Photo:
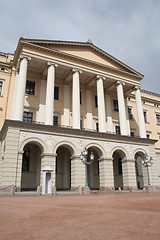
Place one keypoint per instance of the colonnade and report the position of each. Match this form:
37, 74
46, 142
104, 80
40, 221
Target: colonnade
18, 101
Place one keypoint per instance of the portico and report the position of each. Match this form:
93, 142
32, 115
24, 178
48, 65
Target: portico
72, 78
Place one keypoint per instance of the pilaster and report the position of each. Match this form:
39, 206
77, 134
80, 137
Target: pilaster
129, 174
77, 172
106, 174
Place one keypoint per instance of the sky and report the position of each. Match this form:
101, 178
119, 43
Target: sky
129, 30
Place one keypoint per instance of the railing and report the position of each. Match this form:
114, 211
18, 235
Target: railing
83, 129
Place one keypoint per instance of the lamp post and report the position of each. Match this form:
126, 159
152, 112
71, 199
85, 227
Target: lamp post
83, 157
146, 162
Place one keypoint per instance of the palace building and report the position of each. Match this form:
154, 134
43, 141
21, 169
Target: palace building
58, 98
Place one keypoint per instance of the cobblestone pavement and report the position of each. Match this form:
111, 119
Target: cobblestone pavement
97, 217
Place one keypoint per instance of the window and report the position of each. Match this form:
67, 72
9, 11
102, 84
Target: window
132, 132
56, 93
81, 123
145, 113
27, 116
158, 136
130, 112
117, 130
30, 87
158, 118
95, 101
1, 88
80, 97
96, 125
55, 120
148, 135
115, 105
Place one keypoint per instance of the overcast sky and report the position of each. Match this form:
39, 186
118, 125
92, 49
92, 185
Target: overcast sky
127, 29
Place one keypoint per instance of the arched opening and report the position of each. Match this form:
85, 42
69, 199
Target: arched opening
118, 156
139, 170
93, 169
31, 167
63, 168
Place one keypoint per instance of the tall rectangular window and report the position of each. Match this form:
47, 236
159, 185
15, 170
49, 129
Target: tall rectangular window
117, 128
27, 116
30, 87
56, 93
95, 101
55, 120
158, 118
130, 113
115, 105
1, 87
145, 113
80, 97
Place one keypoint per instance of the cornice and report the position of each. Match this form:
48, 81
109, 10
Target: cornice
22, 43
72, 132
88, 45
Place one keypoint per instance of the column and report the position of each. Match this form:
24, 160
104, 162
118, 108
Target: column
19, 105
101, 105
66, 105
129, 174
106, 174
122, 111
77, 172
76, 99
42, 103
89, 109
50, 94
127, 117
141, 123
109, 113
14, 95
49, 159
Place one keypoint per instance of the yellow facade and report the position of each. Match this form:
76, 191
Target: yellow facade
91, 63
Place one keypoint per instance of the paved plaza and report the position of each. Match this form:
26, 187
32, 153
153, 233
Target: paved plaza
97, 217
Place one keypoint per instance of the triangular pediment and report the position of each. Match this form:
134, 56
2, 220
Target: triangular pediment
86, 51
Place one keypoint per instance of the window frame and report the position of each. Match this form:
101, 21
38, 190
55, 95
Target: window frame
29, 94
58, 87
28, 112
146, 120
57, 115
130, 114
1, 81
95, 101
158, 118
115, 107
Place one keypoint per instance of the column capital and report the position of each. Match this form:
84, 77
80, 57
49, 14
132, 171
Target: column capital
100, 77
74, 70
137, 87
25, 57
120, 83
52, 64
